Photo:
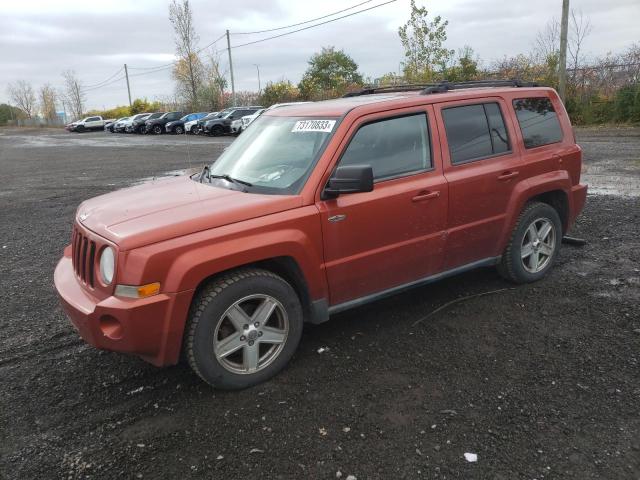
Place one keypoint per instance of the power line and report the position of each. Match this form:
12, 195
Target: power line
312, 26
84, 90
105, 80
302, 23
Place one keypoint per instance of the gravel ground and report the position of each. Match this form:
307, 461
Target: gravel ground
540, 381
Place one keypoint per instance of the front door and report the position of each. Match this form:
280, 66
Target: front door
394, 235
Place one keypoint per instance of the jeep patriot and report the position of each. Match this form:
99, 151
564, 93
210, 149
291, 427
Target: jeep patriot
317, 208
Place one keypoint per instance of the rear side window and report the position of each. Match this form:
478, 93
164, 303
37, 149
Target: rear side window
475, 132
393, 147
538, 121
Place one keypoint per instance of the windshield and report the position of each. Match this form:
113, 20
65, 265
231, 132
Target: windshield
276, 155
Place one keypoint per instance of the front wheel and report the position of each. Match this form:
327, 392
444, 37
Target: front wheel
157, 129
179, 130
534, 244
243, 328
217, 130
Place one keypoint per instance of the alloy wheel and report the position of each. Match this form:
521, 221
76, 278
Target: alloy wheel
538, 245
251, 334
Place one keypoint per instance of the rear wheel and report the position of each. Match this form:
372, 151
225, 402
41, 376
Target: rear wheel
534, 244
243, 328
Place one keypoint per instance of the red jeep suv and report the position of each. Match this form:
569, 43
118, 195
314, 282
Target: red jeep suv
317, 208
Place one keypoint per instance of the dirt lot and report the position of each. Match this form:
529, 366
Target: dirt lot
540, 381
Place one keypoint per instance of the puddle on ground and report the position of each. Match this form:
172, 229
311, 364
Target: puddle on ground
602, 181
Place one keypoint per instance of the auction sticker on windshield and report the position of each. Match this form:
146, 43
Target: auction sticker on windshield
314, 126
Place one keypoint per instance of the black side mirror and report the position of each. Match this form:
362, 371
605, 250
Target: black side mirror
349, 179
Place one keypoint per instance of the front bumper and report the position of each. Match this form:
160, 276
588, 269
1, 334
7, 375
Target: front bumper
150, 327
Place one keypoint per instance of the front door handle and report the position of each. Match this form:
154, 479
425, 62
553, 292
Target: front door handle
508, 175
425, 196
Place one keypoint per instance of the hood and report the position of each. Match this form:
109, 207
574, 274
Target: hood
173, 207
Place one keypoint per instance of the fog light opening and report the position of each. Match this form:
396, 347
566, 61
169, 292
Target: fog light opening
111, 327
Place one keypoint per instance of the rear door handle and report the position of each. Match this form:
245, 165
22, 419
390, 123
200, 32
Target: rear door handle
508, 175
425, 196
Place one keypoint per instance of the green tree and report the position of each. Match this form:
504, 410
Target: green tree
279, 92
8, 113
426, 57
331, 73
466, 67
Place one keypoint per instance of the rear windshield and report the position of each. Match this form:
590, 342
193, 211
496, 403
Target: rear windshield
277, 155
538, 121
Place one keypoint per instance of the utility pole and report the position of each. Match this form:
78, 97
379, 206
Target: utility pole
259, 85
126, 74
233, 85
562, 67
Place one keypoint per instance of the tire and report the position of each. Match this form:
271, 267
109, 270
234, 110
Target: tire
80, 128
534, 244
179, 130
217, 130
157, 129
218, 315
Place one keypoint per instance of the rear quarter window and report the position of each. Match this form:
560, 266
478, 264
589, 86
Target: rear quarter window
538, 121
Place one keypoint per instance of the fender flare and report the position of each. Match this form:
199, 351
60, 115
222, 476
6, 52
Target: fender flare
528, 189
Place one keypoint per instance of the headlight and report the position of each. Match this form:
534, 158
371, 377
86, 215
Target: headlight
107, 265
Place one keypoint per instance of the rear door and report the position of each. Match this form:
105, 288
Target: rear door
482, 164
394, 235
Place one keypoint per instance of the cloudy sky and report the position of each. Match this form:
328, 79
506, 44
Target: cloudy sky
41, 38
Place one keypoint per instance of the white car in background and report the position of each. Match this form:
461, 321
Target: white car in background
188, 126
118, 127
242, 124
128, 124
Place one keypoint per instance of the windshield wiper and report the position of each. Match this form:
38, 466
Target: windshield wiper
229, 178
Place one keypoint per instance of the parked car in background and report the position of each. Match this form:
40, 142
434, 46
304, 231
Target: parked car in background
86, 124
178, 126
138, 126
108, 123
198, 128
156, 125
192, 126
128, 124
248, 119
320, 208
118, 127
222, 123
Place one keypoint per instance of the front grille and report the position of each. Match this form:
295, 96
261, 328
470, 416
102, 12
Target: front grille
83, 254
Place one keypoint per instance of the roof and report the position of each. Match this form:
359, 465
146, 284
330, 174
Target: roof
340, 106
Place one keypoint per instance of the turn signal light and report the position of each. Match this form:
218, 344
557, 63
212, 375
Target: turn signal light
142, 291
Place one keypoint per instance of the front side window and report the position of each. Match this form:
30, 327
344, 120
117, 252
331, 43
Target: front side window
475, 132
538, 121
393, 147
277, 156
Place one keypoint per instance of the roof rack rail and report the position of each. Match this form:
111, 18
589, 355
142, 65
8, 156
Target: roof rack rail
444, 86
406, 87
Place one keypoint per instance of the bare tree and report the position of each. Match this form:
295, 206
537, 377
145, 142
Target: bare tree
189, 70
74, 95
580, 28
48, 97
211, 92
547, 42
22, 94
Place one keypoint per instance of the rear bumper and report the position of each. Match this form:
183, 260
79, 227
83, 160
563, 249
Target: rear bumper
578, 200
151, 328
